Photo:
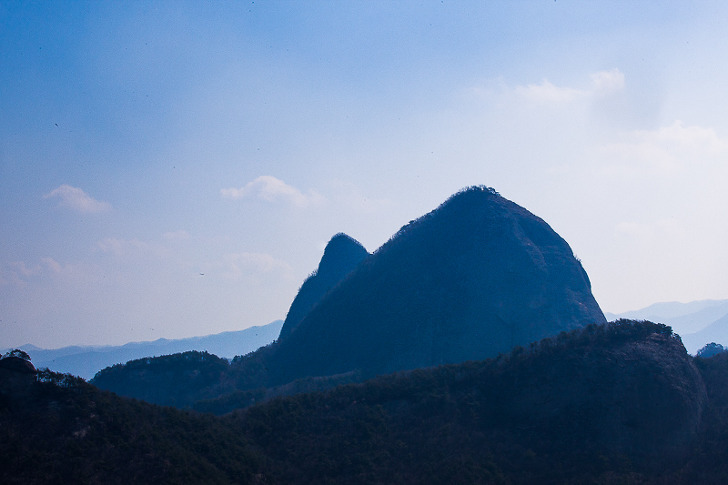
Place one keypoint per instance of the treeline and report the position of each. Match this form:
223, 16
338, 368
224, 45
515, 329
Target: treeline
616, 403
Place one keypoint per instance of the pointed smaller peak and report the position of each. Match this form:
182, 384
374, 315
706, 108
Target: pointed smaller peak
341, 250
342, 255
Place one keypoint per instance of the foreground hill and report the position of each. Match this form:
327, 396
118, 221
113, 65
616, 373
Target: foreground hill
616, 403
56, 428
471, 279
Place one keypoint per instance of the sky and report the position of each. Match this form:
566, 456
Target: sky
174, 169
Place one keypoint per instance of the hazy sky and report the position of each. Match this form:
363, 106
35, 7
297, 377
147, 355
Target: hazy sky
171, 169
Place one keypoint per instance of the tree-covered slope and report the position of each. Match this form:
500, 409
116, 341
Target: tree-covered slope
615, 403
56, 428
620, 401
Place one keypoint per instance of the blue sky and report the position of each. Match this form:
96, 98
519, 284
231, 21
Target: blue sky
170, 169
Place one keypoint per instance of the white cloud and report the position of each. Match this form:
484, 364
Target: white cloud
547, 92
78, 200
19, 273
271, 189
603, 83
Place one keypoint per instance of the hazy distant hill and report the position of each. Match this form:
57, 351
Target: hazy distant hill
716, 332
614, 403
697, 322
473, 278
86, 361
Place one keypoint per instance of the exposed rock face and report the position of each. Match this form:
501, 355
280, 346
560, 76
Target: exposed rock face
341, 256
475, 277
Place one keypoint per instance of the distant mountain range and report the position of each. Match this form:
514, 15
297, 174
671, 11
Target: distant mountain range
86, 361
697, 322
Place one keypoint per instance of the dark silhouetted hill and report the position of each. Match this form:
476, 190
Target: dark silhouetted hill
341, 256
614, 403
56, 428
471, 279
168, 380
475, 277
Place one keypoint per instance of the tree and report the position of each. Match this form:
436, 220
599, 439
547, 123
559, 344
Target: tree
21, 354
710, 350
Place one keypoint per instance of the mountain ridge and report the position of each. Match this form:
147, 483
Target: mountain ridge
86, 361
698, 322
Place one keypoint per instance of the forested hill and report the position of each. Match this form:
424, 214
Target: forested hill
471, 279
616, 403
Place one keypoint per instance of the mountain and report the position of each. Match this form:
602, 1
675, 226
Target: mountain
697, 322
476, 277
86, 361
615, 403
671, 309
473, 278
716, 332
341, 255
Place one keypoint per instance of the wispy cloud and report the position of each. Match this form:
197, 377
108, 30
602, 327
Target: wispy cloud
546, 92
602, 83
272, 189
76, 199
19, 273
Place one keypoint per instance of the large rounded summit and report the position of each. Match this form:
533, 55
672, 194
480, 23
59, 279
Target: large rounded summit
473, 278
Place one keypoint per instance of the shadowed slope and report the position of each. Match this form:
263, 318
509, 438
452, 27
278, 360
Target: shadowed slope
473, 278
341, 256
